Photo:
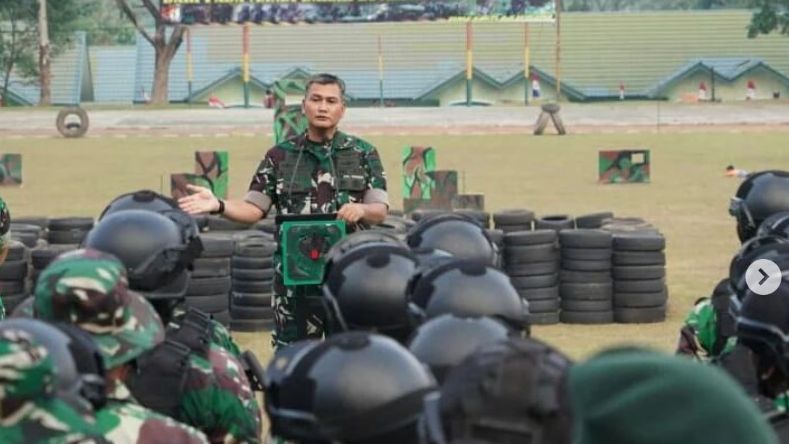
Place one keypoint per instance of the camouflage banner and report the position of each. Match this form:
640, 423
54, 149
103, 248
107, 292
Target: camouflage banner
179, 181
409, 205
289, 121
11, 170
624, 166
354, 11
213, 167
417, 161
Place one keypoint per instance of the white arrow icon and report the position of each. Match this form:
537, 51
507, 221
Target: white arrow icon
763, 277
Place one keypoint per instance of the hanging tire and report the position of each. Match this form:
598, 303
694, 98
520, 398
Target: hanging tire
594, 220
640, 315
72, 130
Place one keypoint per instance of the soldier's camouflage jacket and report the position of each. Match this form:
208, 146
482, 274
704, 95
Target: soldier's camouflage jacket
123, 421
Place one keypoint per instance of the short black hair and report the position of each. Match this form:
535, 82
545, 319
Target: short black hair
325, 79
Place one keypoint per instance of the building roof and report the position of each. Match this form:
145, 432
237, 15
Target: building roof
727, 69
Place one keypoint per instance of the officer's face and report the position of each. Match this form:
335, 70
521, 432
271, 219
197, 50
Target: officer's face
323, 106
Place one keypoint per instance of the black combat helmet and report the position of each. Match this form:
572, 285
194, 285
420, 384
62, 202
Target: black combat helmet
79, 376
761, 195
140, 200
355, 239
367, 289
443, 342
510, 391
155, 250
470, 288
353, 388
456, 234
777, 225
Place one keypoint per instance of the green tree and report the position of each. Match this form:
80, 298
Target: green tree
17, 42
770, 16
164, 47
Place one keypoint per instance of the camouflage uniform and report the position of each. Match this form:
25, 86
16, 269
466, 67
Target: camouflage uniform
90, 289
299, 176
29, 412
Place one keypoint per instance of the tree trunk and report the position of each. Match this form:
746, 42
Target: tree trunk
161, 76
44, 55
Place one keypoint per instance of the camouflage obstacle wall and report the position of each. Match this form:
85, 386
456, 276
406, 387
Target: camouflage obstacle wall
10, 170
211, 171
624, 166
289, 121
426, 187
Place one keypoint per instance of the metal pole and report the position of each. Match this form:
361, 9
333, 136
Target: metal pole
189, 73
526, 63
380, 73
469, 62
245, 63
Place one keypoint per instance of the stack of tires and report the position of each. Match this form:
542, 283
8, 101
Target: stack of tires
30, 235
639, 272
68, 230
42, 256
497, 237
513, 220
209, 284
555, 222
253, 274
13, 276
593, 220
531, 259
586, 285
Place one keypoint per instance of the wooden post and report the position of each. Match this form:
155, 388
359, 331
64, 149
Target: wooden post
245, 63
380, 73
526, 63
558, 67
469, 62
189, 69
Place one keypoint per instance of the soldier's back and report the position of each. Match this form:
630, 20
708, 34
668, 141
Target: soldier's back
127, 422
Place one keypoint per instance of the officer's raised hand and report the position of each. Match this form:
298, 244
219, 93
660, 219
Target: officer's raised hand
202, 200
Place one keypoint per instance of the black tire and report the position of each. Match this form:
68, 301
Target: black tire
261, 274
558, 123
217, 223
576, 305
512, 228
625, 221
642, 286
639, 242
11, 301
209, 304
526, 238
17, 227
544, 305
556, 222
638, 258
251, 325
586, 317
638, 272
496, 236
217, 245
12, 287
594, 220
538, 281
542, 123
513, 217
40, 258
587, 254
585, 277
532, 269
481, 217
251, 299
585, 239
640, 315
531, 253
17, 251
266, 226
208, 286
29, 240
243, 235
549, 318
586, 292
39, 221
71, 223
246, 312
223, 317
13, 270
640, 300
74, 236
211, 267
426, 213
72, 131
251, 263
253, 286
574, 265
255, 248
539, 294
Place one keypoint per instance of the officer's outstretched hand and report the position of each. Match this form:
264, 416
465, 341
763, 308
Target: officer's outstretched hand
202, 200
351, 212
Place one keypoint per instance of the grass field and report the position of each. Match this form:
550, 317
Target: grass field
687, 199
